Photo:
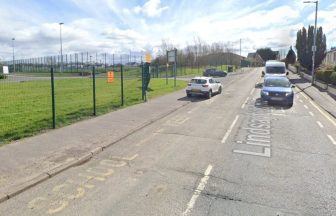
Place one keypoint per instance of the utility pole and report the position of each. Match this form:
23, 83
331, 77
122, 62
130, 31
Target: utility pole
314, 46
240, 46
60, 24
13, 39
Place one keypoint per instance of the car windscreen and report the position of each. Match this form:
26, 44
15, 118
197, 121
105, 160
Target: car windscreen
198, 81
277, 83
275, 70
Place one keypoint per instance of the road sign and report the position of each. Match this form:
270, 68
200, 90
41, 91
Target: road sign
171, 58
171, 55
5, 70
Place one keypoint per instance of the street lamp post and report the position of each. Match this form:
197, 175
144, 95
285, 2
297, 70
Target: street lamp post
60, 24
314, 46
13, 39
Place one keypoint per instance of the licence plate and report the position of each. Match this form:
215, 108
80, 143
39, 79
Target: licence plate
277, 98
196, 90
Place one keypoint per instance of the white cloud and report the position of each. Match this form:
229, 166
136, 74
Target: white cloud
152, 8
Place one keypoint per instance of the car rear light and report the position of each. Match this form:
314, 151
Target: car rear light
205, 85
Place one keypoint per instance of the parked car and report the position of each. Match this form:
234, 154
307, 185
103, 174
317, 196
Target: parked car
212, 72
277, 89
205, 86
275, 68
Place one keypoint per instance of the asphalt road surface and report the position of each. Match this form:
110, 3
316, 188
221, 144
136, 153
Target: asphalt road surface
230, 155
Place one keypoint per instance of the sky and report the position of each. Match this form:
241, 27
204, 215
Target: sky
123, 26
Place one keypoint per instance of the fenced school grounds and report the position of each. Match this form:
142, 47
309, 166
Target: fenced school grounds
79, 89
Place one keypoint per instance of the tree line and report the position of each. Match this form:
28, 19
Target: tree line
200, 53
304, 44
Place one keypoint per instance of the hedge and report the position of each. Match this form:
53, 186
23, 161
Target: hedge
333, 77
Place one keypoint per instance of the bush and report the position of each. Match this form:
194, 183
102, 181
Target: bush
324, 75
3, 76
333, 78
335, 68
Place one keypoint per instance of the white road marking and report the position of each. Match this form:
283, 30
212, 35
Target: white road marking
198, 191
311, 113
301, 101
332, 139
230, 129
266, 153
245, 102
278, 114
320, 124
253, 143
323, 113
252, 91
305, 106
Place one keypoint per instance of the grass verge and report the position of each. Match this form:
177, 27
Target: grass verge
25, 107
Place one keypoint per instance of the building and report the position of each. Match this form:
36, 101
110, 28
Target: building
330, 58
255, 60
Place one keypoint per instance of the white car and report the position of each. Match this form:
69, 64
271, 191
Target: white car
205, 86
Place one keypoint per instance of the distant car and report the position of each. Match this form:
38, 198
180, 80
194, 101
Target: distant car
212, 72
277, 89
275, 68
205, 86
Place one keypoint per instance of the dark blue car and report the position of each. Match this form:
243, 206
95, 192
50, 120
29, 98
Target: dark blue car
277, 90
213, 72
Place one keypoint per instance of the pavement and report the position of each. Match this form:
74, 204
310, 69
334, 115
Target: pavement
230, 155
325, 100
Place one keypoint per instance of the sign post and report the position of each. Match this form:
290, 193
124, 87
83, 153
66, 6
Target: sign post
5, 70
171, 58
146, 75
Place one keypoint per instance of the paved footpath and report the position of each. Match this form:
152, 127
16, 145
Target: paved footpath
327, 102
230, 155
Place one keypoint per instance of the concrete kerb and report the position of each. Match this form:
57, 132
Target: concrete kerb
26, 185
17, 189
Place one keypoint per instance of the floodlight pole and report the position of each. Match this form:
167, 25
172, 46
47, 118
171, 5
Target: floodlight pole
13, 39
60, 24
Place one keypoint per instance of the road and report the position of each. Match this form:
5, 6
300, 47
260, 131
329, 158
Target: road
230, 155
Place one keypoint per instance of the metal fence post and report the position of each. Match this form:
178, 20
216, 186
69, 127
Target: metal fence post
142, 82
167, 73
94, 89
122, 83
175, 67
53, 98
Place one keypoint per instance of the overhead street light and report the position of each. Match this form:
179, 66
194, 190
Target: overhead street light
13, 39
60, 24
314, 46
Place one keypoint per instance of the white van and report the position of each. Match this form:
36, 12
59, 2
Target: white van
275, 68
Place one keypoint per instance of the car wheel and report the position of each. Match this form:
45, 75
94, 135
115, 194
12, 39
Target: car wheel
209, 94
188, 95
220, 90
290, 104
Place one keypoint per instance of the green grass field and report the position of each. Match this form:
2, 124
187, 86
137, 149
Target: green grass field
25, 107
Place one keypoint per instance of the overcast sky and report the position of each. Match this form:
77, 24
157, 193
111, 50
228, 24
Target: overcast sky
116, 26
